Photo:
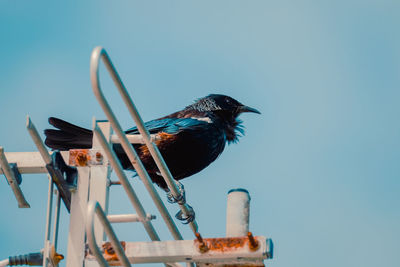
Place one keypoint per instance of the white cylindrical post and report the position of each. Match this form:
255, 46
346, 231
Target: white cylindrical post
237, 212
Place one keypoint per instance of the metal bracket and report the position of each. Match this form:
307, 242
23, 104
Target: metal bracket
14, 179
17, 175
63, 176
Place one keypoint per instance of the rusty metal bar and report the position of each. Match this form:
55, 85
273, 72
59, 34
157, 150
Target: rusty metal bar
95, 209
228, 251
98, 53
12, 181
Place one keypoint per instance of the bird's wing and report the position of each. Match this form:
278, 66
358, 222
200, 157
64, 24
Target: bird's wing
169, 125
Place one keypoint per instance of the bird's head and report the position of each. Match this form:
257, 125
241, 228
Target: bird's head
227, 110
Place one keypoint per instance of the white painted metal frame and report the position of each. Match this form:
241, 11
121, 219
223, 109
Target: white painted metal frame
100, 53
187, 250
93, 185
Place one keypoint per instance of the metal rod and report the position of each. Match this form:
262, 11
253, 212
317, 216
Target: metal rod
125, 183
37, 140
133, 138
98, 53
12, 181
94, 208
124, 218
49, 209
56, 220
46, 252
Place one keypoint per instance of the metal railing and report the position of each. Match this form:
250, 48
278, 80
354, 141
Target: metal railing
97, 54
126, 185
95, 209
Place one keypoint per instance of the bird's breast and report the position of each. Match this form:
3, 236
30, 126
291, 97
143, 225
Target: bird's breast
187, 151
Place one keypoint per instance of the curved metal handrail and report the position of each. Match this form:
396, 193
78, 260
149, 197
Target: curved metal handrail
98, 53
94, 208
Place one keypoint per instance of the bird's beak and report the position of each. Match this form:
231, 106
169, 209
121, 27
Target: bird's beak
248, 109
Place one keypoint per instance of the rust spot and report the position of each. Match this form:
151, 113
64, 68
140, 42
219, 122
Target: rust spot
201, 244
161, 139
109, 252
79, 157
55, 257
99, 157
226, 244
253, 243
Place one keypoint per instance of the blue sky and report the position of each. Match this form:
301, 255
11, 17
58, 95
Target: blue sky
322, 161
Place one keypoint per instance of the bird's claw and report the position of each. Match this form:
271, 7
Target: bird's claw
186, 218
181, 199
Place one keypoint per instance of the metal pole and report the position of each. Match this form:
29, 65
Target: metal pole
237, 212
56, 221
46, 253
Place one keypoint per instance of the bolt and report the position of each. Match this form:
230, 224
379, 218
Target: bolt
253, 243
202, 246
99, 157
81, 159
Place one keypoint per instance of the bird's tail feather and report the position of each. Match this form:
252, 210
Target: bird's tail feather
68, 136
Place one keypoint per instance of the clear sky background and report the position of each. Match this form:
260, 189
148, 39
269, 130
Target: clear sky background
322, 161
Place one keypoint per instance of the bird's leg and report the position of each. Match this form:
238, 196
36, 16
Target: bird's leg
186, 218
181, 199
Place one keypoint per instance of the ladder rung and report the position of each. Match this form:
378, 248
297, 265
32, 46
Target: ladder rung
124, 218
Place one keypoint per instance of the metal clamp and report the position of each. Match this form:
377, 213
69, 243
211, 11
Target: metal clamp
63, 176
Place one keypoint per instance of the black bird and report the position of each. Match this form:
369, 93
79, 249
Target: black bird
189, 140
